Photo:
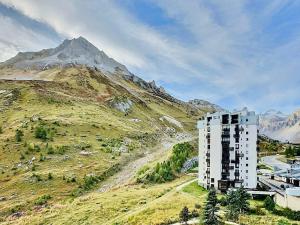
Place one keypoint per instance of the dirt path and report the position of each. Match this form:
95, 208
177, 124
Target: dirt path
126, 175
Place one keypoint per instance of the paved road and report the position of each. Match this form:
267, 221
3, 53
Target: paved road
275, 163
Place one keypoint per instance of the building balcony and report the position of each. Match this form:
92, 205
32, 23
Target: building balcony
225, 174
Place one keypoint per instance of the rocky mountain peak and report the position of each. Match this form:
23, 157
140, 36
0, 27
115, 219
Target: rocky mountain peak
205, 104
77, 51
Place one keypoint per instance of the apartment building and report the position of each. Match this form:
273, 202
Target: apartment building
228, 150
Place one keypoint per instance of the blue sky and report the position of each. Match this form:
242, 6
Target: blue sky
234, 53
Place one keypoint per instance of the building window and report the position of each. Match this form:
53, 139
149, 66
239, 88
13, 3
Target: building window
246, 177
247, 132
246, 158
247, 145
236, 146
212, 179
246, 164
246, 120
212, 185
246, 171
247, 139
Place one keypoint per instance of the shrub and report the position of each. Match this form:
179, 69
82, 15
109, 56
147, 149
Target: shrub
89, 182
50, 150
41, 133
184, 214
42, 158
22, 156
50, 177
19, 135
62, 149
42, 200
269, 203
288, 213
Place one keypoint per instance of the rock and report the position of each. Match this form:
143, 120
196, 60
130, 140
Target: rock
189, 164
35, 118
17, 215
85, 153
66, 157
135, 120
122, 104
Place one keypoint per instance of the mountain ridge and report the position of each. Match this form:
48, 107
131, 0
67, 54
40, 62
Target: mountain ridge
279, 126
79, 51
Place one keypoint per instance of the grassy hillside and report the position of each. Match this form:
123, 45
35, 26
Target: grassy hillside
64, 137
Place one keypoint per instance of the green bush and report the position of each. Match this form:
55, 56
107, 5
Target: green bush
269, 203
19, 135
42, 200
167, 170
288, 213
50, 176
43, 133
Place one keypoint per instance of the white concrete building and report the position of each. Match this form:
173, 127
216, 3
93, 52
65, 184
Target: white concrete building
228, 150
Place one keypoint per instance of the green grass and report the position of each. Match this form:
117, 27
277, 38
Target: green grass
74, 110
194, 189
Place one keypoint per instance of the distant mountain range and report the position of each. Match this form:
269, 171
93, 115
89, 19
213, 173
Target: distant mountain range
280, 126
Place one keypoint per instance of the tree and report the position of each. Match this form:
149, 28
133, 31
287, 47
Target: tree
269, 203
211, 208
232, 210
184, 214
243, 197
237, 203
19, 135
289, 152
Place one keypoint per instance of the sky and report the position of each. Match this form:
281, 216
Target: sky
234, 53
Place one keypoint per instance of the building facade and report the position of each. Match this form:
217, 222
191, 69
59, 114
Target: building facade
228, 150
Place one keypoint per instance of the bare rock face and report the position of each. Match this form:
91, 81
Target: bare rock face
122, 104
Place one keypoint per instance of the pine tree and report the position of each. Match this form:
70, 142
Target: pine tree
269, 203
243, 197
237, 203
211, 208
184, 214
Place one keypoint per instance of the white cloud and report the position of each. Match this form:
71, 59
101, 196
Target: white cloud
14, 38
229, 54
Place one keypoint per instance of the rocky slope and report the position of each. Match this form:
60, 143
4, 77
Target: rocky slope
279, 126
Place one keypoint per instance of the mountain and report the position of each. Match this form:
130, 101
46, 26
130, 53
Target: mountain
72, 121
77, 51
202, 104
279, 126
